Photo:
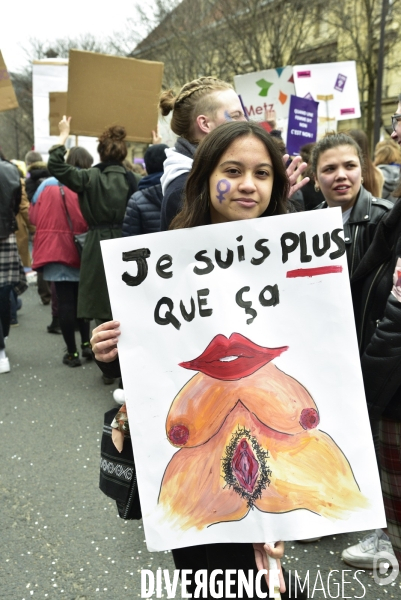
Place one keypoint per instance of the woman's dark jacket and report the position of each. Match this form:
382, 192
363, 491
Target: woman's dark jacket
143, 209
361, 225
10, 197
103, 193
378, 318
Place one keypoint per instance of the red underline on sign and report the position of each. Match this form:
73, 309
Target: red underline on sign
313, 272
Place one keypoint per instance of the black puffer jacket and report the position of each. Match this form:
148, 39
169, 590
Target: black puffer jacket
142, 214
361, 225
378, 318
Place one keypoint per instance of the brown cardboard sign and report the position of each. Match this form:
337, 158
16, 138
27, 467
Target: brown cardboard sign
57, 109
106, 90
8, 99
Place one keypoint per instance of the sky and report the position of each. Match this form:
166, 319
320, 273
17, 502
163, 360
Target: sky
47, 20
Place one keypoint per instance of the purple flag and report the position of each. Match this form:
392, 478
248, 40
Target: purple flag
302, 124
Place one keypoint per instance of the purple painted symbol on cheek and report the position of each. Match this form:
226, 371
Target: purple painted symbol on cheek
221, 190
227, 116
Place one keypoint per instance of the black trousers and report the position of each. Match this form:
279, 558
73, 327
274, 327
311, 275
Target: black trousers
219, 556
239, 557
67, 295
5, 314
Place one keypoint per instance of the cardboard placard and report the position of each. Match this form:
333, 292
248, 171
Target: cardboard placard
8, 99
57, 108
108, 90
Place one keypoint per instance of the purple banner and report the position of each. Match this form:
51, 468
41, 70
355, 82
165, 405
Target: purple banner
302, 124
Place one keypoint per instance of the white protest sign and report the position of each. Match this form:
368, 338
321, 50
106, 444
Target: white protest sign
261, 90
51, 75
334, 86
245, 396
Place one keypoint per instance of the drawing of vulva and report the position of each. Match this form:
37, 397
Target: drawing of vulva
248, 437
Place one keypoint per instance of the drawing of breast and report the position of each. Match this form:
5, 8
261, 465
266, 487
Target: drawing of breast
248, 439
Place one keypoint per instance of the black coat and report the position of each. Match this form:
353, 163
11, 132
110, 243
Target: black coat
361, 225
10, 197
378, 318
142, 214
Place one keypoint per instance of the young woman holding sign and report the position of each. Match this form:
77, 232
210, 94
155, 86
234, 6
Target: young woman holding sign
238, 174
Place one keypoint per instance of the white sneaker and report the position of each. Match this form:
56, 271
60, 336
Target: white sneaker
373, 547
119, 396
4, 365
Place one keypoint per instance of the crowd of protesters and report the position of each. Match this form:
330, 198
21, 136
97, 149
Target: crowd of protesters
46, 207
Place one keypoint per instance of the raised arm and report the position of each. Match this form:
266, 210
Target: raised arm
76, 179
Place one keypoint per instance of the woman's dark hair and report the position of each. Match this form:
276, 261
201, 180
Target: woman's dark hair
79, 157
111, 144
196, 207
330, 141
371, 181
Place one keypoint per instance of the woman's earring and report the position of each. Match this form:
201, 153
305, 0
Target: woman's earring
317, 188
361, 180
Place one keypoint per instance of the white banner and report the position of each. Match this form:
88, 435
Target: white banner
52, 76
262, 90
334, 85
245, 396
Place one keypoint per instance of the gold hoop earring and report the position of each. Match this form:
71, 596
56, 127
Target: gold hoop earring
317, 188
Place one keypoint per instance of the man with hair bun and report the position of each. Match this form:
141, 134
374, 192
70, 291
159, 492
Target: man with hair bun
200, 106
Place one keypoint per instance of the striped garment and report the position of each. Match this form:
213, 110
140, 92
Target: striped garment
11, 269
390, 464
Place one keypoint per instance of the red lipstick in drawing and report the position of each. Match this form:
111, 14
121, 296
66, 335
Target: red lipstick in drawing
232, 358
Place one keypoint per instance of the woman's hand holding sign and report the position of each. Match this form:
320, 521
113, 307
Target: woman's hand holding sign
104, 341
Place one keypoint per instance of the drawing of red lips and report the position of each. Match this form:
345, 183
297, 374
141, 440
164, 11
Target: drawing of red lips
232, 358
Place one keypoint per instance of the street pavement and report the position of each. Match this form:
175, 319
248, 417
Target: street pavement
60, 537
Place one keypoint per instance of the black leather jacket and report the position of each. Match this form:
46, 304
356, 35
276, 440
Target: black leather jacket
10, 197
378, 319
361, 225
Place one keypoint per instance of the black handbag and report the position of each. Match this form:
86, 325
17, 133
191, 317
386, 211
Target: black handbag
117, 472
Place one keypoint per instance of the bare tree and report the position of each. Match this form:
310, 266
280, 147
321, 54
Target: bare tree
358, 27
60, 47
16, 126
224, 37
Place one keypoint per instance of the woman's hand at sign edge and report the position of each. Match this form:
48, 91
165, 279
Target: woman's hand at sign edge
277, 551
64, 129
294, 170
104, 341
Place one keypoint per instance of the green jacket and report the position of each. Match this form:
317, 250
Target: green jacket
103, 196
